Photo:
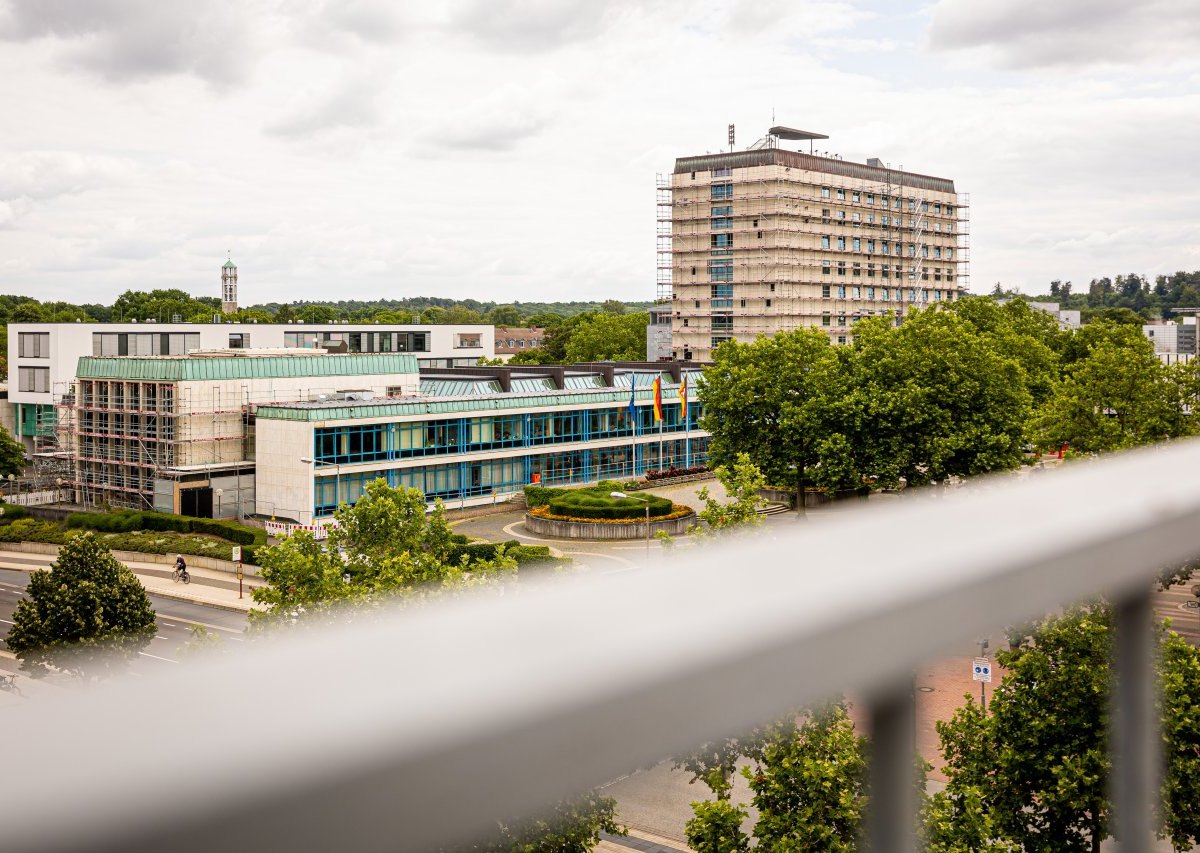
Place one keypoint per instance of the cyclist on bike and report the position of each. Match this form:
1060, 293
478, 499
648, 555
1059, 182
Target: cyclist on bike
180, 566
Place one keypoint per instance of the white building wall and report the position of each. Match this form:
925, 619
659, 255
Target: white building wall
283, 485
70, 342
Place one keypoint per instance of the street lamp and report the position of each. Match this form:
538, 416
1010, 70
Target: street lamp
11, 485
217, 494
646, 501
58, 492
337, 475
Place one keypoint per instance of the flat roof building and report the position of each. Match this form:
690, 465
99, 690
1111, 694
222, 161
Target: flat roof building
290, 434
43, 357
767, 240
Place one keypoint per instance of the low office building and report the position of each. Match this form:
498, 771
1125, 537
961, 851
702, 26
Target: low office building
290, 434
176, 433
1172, 338
42, 357
473, 435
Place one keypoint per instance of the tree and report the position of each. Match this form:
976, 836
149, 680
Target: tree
807, 781
1033, 771
88, 614
742, 481
384, 548
608, 337
1118, 395
773, 400
573, 825
12, 454
613, 306
505, 315
316, 314
934, 399
809, 784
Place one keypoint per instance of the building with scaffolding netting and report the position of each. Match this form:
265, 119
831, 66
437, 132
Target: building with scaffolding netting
769, 239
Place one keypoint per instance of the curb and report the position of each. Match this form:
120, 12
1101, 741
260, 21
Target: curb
219, 605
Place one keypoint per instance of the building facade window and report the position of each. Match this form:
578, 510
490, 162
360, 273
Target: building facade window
824, 241
825, 291
33, 345
720, 191
35, 380
722, 173
720, 270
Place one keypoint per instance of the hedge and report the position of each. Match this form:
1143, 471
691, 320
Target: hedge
596, 504
128, 521
11, 512
148, 542
536, 496
525, 555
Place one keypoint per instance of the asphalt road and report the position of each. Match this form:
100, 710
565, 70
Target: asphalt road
175, 621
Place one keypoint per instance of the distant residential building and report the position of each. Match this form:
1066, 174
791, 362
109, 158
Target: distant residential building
1175, 338
1067, 319
658, 335
766, 240
510, 340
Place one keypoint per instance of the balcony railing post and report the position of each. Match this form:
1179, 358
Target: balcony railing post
1135, 730
891, 807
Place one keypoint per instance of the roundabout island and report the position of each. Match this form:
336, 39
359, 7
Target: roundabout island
600, 512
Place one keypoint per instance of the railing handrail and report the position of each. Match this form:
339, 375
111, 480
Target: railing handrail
419, 729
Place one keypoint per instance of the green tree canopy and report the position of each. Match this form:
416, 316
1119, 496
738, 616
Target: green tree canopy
88, 614
773, 400
936, 399
1115, 396
12, 454
1033, 771
607, 337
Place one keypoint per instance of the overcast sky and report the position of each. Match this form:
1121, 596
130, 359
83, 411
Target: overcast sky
507, 149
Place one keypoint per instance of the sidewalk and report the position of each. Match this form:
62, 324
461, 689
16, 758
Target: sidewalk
208, 587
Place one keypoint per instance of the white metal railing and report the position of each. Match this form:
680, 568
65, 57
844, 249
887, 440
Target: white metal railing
417, 730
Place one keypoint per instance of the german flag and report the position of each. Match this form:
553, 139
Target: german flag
658, 399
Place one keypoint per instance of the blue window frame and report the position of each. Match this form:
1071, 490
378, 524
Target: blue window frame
720, 270
719, 191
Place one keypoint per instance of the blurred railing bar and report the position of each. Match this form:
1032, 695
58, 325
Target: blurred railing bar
417, 730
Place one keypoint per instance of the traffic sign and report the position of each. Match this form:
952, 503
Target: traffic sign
237, 553
981, 670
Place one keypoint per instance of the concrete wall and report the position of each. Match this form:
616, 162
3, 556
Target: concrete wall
601, 530
283, 484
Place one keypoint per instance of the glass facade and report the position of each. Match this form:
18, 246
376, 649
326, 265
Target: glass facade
454, 480
387, 442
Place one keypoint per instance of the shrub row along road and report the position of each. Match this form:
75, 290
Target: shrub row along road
175, 621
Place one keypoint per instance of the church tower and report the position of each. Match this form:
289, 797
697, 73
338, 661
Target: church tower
229, 288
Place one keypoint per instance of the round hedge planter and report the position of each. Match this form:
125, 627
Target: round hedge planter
605, 529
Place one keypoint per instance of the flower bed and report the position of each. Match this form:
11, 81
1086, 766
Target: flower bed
677, 511
668, 473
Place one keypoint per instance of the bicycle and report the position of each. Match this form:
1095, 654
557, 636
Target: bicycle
181, 575
8, 683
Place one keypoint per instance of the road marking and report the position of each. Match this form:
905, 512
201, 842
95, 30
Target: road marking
508, 529
206, 625
161, 637
8, 621
156, 657
168, 624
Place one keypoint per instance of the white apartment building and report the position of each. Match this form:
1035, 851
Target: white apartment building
43, 357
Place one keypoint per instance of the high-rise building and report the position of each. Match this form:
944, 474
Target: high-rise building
769, 239
229, 302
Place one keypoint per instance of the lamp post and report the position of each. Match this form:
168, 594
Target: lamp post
337, 475
12, 479
59, 490
646, 501
217, 509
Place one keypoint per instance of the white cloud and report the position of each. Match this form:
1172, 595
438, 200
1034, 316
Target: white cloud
508, 150
1022, 34
129, 40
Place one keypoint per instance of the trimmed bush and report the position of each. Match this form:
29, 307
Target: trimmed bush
596, 503
128, 521
536, 496
11, 512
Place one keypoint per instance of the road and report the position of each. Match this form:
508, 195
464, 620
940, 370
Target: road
175, 621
